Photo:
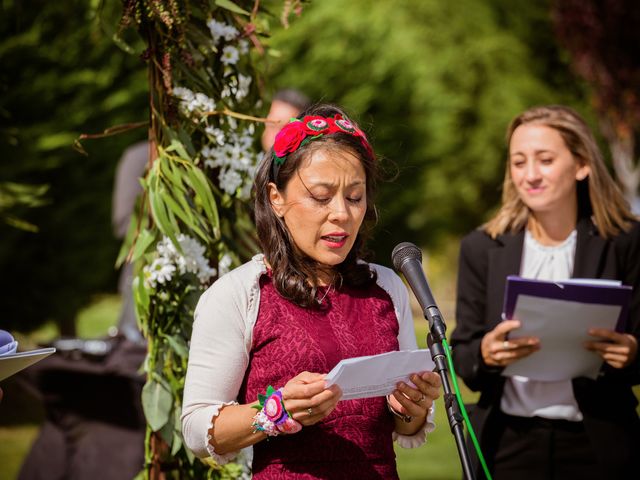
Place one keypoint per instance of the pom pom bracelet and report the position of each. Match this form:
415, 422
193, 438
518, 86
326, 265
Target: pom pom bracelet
272, 418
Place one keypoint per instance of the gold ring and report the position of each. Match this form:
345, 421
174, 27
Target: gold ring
505, 345
422, 397
310, 411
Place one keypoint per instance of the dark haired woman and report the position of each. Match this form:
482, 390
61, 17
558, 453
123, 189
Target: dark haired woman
561, 216
266, 333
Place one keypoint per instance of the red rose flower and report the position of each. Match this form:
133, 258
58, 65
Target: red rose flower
289, 138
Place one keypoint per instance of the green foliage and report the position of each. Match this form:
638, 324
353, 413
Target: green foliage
194, 223
16, 195
61, 76
435, 83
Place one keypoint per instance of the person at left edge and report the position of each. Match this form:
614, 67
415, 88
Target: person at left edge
276, 325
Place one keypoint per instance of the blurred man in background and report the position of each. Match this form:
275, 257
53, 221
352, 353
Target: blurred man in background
286, 104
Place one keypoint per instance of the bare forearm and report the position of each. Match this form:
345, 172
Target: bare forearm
232, 429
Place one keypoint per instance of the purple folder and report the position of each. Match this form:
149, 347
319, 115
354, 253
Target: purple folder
574, 292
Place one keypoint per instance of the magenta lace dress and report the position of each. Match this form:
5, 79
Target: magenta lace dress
354, 442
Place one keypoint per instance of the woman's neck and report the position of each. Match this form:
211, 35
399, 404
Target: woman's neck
550, 229
325, 277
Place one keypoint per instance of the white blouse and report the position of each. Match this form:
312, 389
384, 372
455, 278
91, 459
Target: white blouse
522, 396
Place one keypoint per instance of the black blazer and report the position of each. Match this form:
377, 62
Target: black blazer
607, 403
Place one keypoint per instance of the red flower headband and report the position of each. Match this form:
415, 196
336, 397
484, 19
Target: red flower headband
298, 133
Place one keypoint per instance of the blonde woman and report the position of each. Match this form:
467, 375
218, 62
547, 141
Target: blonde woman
561, 216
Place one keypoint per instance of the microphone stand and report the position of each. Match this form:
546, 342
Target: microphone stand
434, 341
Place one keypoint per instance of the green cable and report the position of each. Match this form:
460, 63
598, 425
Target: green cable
472, 434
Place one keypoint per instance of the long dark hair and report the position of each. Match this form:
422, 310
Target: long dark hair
294, 273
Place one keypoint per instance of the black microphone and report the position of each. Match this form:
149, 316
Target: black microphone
407, 258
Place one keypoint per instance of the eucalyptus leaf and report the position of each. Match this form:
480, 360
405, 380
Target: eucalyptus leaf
162, 218
178, 345
145, 238
156, 403
141, 295
163, 194
185, 138
179, 149
177, 434
183, 214
159, 377
126, 243
176, 443
173, 173
229, 5
190, 455
204, 197
166, 432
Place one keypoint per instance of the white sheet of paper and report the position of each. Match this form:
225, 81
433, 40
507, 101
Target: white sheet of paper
562, 328
377, 375
14, 362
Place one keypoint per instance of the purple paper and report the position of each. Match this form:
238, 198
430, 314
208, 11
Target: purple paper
584, 293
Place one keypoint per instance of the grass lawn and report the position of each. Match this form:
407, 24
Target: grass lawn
437, 459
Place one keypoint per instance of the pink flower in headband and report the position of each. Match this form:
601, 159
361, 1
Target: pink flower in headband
316, 125
299, 132
345, 125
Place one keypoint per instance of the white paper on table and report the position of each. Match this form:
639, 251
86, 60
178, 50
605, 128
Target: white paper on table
562, 327
14, 362
377, 375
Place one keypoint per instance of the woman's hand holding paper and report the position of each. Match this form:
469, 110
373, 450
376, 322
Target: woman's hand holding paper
617, 349
498, 351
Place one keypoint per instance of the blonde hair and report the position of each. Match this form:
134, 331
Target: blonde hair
598, 195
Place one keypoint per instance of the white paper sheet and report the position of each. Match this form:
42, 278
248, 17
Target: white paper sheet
562, 328
14, 362
377, 375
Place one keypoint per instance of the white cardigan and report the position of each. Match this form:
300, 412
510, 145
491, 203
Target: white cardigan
221, 342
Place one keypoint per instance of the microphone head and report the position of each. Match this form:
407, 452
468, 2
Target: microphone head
405, 251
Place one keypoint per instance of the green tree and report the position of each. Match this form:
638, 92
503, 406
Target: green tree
437, 83
61, 76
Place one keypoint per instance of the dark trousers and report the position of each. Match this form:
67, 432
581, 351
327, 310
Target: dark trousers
537, 448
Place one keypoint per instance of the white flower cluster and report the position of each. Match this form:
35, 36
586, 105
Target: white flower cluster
221, 30
230, 54
235, 157
170, 260
192, 102
237, 87
229, 150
